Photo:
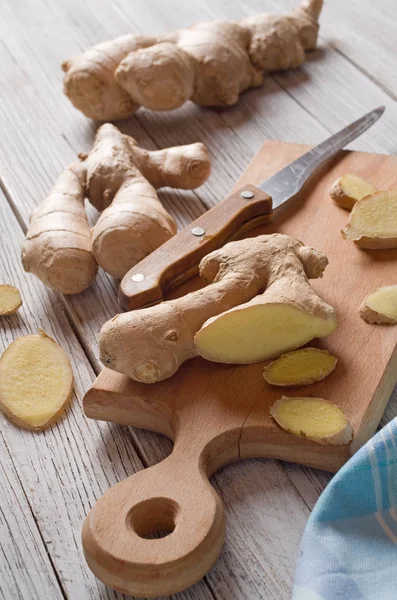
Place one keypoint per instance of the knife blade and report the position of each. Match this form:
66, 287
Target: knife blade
177, 260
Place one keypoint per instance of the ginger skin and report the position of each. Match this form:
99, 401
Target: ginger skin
36, 381
150, 344
350, 188
314, 419
301, 367
380, 306
373, 221
58, 248
120, 179
208, 63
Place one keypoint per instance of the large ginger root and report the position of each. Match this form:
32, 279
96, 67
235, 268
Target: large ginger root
36, 381
301, 367
121, 179
315, 419
150, 344
286, 316
350, 188
208, 63
373, 221
58, 248
380, 306
10, 299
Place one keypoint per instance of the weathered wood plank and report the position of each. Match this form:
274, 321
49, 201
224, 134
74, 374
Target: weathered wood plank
26, 570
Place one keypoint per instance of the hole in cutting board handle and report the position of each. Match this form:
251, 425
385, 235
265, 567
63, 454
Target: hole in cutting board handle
154, 518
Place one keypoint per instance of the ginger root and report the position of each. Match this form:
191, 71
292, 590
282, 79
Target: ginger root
150, 344
10, 300
380, 306
36, 381
58, 248
120, 179
208, 63
373, 221
350, 188
315, 419
301, 367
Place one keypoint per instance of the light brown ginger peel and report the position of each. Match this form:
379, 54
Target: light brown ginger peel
150, 344
208, 63
380, 306
120, 179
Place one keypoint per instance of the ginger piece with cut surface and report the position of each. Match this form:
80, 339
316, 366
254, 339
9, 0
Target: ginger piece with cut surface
314, 419
150, 344
300, 367
36, 381
373, 221
350, 188
380, 306
10, 299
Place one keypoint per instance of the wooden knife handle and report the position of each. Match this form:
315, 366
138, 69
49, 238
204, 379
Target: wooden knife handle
178, 259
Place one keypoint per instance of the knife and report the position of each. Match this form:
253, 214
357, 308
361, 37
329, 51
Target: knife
177, 260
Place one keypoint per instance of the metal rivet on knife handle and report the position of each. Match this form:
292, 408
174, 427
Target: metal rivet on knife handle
199, 231
247, 194
138, 277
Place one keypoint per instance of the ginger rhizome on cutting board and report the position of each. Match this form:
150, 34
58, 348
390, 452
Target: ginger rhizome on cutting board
380, 306
265, 278
36, 381
120, 179
208, 63
350, 188
373, 221
315, 419
10, 299
300, 367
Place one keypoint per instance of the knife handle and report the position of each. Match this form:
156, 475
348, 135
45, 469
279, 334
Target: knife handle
178, 259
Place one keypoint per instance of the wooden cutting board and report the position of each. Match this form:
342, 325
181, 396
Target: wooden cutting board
217, 414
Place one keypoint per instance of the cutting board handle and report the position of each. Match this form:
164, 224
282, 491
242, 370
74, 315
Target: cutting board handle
173, 497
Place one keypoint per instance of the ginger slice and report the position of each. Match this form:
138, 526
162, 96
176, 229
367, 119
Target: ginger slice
10, 299
301, 367
380, 306
36, 381
373, 221
315, 419
350, 188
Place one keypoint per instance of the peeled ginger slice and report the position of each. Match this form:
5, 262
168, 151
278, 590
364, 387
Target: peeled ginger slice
36, 381
350, 188
373, 221
315, 419
10, 299
301, 367
380, 306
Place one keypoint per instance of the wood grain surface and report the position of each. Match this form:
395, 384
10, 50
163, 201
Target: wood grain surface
266, 502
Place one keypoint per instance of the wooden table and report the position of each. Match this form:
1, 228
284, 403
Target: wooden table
50, 480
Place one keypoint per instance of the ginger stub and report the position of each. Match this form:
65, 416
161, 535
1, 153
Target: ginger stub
301, 367
10, 300
350, 188
380, 306
373, 221
120, 179
209, 63
314, 419
36, 381
150, 344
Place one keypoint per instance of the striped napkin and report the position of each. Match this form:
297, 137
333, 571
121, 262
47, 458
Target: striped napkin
349, 547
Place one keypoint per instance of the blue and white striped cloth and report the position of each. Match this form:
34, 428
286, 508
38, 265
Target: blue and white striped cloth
349, 547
